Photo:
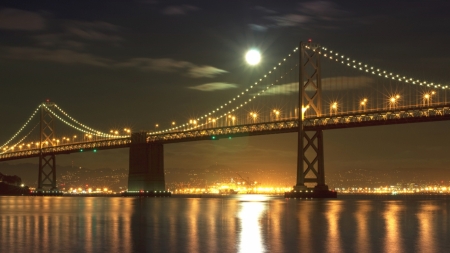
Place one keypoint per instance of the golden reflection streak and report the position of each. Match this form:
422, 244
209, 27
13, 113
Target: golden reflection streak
392, 240
229, 221
274, 226
192, 237
40, 229
122, 209
250, 235
361, 215
305, 227
88, 223
212, 227
426, 230
333, 215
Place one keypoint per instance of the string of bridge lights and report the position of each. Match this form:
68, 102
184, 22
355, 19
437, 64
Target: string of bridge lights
195, 122
375, 71
95, 133
18, 143
329, 54
21, 129
91, 130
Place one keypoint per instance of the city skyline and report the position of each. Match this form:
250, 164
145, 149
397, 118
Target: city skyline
154, 63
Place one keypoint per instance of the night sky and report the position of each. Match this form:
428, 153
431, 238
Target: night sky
116, 64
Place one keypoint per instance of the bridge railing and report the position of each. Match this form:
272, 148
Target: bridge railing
67, 148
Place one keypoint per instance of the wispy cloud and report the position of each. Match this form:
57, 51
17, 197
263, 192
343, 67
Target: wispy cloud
150, 64
324, 10
171, 65
205, 71
15, 19
58, 56
58, 40
214, 86
179, 9
76, 35
289, 19
328, 84
259, 28
97, 30
67, 53
264, 9
306, 13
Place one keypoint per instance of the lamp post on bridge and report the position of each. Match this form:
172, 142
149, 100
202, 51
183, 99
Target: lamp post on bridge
363, 104
276, 113
230, 119
427, 98
393, 101
253, 116
333, 107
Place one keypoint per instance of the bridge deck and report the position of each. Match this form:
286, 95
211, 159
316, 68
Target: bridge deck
358, 119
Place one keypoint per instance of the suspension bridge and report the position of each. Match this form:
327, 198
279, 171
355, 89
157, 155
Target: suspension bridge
312, 89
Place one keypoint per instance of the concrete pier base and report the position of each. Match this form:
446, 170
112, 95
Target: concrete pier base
146, 172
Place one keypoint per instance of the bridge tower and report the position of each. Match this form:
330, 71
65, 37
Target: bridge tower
310, 157
47, 163
146, 172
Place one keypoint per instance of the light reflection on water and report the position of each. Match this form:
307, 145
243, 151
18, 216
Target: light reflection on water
242, 223
393, 239
427, 222
250, 238
362, 237
333, 236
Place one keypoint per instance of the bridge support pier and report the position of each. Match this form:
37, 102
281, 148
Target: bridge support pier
311, 158
146, 172
47, 172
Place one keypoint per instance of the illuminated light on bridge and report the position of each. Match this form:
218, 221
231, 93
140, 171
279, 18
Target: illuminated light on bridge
333, 108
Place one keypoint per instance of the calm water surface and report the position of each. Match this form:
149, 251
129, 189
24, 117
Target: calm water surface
241, 223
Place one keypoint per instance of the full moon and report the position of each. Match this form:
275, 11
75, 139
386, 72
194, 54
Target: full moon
253, 57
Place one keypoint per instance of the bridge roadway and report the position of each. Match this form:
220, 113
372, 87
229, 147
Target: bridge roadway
398, 115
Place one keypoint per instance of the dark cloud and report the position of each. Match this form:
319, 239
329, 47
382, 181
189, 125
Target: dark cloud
57, 40
264, 10
308, 13
67, 56
97, 31
15, 19
290, 19
322, 10
179, 9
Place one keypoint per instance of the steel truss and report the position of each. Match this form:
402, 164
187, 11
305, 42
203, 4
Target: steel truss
47, 163
311, 124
